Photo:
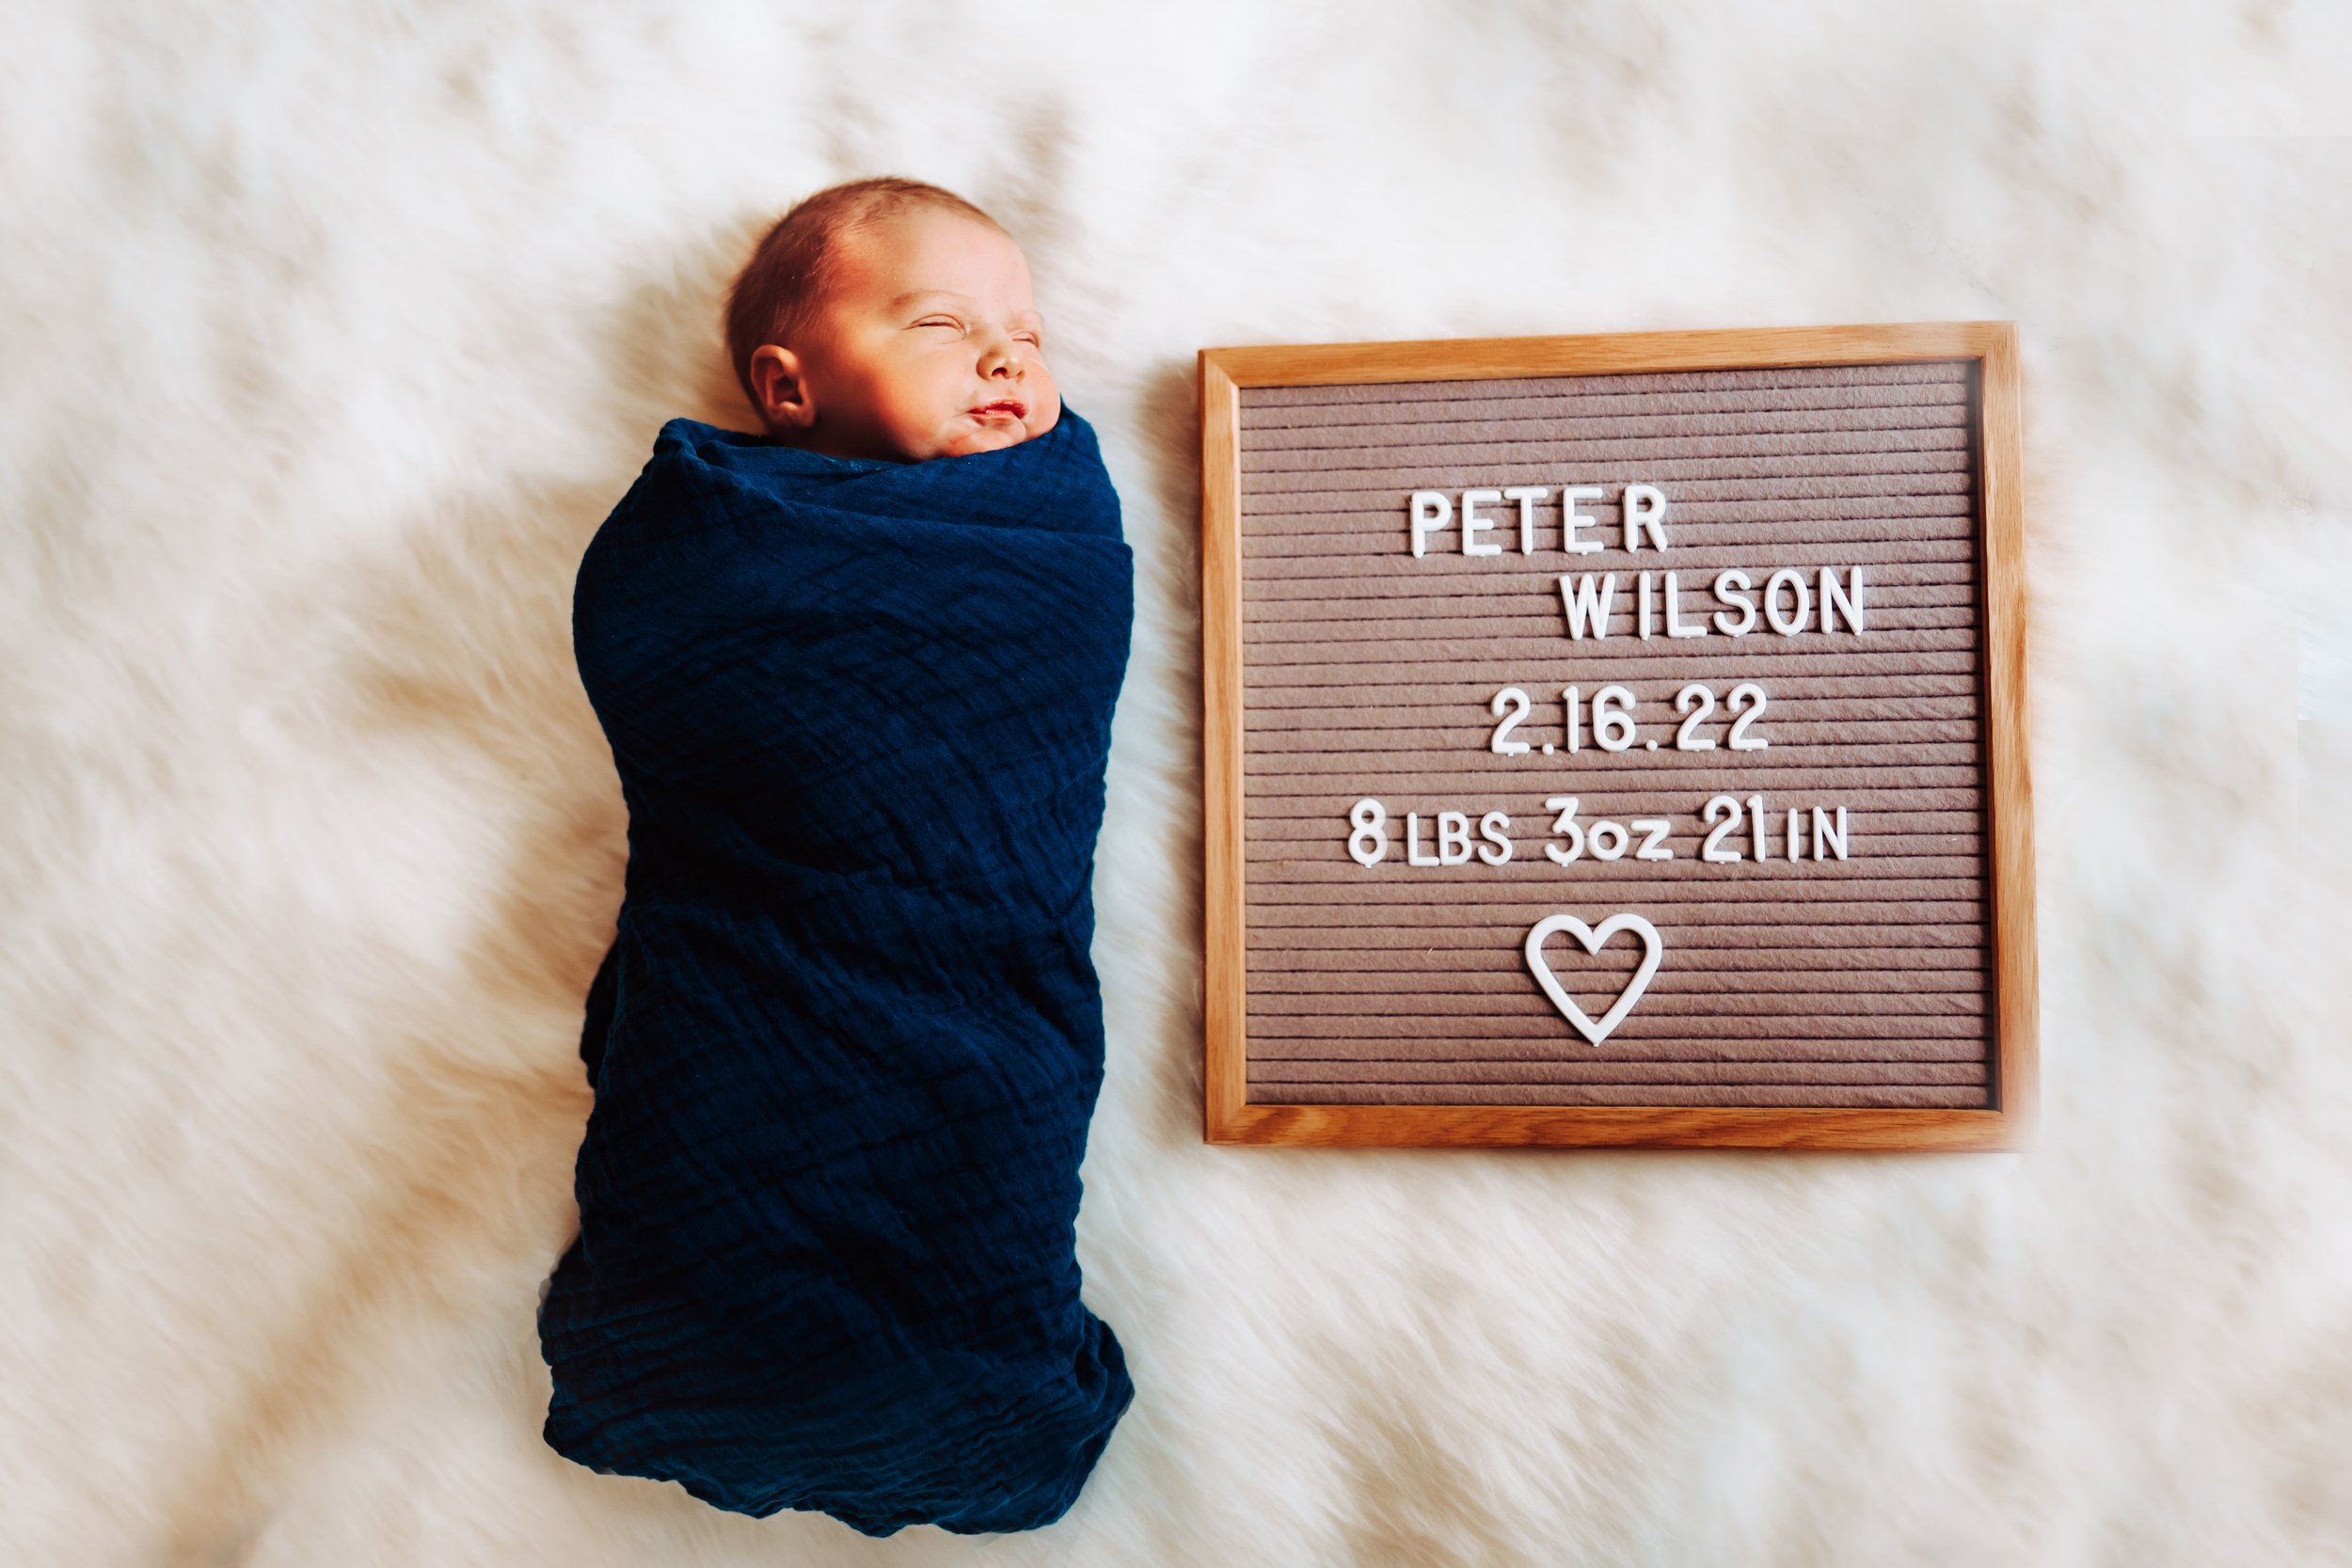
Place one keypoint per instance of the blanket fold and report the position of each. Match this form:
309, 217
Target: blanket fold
848, 1038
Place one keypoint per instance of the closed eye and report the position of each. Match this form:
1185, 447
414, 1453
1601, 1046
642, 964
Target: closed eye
949, 322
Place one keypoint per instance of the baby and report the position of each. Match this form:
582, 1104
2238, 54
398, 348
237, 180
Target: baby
888, 318
858, 676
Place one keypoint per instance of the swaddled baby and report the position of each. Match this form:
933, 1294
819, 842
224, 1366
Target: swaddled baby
857, 676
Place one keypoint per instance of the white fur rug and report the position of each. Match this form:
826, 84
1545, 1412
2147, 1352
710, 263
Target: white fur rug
328, 341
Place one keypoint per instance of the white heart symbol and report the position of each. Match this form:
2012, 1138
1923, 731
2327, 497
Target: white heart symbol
1592, 938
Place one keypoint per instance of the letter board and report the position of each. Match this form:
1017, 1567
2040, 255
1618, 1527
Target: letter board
1618, 740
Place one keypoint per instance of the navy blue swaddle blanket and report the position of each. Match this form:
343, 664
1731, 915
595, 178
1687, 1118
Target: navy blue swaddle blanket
849, 1038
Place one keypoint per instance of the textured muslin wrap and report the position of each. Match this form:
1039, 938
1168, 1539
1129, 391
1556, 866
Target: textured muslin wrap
849, 1038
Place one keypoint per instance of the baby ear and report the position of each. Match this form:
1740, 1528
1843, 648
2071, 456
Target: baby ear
779, 390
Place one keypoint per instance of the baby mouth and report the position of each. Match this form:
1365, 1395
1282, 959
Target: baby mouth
1003, 408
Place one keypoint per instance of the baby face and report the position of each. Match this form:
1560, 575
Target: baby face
927, 343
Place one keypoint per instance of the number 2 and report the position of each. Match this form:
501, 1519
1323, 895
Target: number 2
1723, 813
1686, 737
1510, 697
1749, 713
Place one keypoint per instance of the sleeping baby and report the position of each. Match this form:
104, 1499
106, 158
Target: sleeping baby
857, 673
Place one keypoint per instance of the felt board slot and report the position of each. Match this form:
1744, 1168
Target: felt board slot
1713, 384
1839, 947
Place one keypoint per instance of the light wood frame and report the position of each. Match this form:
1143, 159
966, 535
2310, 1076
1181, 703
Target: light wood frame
1992, 346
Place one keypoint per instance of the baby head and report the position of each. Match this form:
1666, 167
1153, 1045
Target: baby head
888, 318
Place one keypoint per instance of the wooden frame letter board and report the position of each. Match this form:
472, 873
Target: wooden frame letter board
1618, 740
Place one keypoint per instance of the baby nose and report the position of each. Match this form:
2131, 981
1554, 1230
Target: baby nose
999, 358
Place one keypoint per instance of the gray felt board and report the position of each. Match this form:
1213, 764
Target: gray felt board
1855, 981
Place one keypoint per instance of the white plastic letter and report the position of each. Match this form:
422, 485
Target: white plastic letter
1612, 719
1585, 605
1527, 496
1834, 600
1644, 511
1454, 845
1790, 625
1510, 705
1412, 842
1674, 613
1431, 512
1564, 826
1695, 703
1722, 814
1827, 839
1571, 520
1368, 838
1653, 831
1730, 588
1647, 615
1747, 700
1474, 525
1495, 828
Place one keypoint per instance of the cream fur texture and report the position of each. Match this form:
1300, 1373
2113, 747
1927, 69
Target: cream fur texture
332, 332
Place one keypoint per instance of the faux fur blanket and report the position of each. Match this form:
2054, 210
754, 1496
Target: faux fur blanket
848, 1039
332, 333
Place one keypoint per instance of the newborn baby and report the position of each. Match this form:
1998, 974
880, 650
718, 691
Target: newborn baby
857, 674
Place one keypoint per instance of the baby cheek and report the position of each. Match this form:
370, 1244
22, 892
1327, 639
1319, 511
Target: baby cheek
1047, 412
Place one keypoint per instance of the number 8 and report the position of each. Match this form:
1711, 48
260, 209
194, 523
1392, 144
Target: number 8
1369, 839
